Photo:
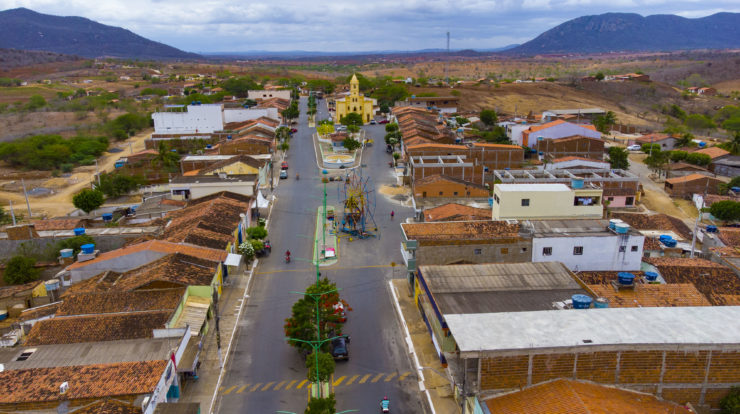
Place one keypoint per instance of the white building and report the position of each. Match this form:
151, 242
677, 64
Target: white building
206, 118
268, 94
546, 201
514, 132
245, 114
586, 245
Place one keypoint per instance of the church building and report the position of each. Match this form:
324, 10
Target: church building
355, 102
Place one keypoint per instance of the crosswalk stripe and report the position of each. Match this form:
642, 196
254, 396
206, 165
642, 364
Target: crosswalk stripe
362, 381
404, 375
242, 388
351, 380
338, 381
390, 377
268, 385
280, 384
229, 390
290, 385
377, 378
299, 386
255, 387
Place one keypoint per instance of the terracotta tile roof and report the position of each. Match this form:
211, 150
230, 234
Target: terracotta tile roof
161, 246
682, 166
502, 146
115, 301
535, 128
655, 222
730, 236
246, 159
100, 283
576, 138
456, 212
574, 158
416, 141
460, 230
438, 178
97, 328
435, 145
713, 152
191, 173
208, 222
57, 224
564, 396
710, 278
652, 295
601, 278
710, 199
686, 178
85, 382
39, 311
25, 289
652, 243
109, 406
652, 138
175, 269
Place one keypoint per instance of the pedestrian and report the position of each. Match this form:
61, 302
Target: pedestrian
392, 214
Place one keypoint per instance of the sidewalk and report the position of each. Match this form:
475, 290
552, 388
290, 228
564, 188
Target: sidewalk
331, 237
432, 375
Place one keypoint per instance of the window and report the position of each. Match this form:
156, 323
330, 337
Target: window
424, 194
477, 251
585, 201
633, 248
495, 198
630, 201
440, 193
610, 198
547, 251
455, 193
524, 250
504, 250
467, 193
622, 249
577, 250
525, 202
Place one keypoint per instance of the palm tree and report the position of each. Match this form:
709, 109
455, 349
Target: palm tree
733, 145
166, 158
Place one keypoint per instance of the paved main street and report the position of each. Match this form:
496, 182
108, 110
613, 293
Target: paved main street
265, 374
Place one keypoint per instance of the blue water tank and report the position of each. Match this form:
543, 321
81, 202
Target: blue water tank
664, 237
3, 314
66, 252
625, 278
576, 183
651, 276
107, 216
51, 285
88, 248
621, 228
228, 137
209, 146
670, 243
711, 228
735, 189
79, 231
490, 201
613, 223
581, 301
702, 144
601, 303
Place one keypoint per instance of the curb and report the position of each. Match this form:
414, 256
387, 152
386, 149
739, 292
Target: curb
410, 344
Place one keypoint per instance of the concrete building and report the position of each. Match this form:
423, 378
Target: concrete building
456, 166
197, 186
586, 245
574, 146
666, 142
545, 201
580, 114
727, 167
268, 94
556, 130
443, 186
688, 185
206, 118
355, 102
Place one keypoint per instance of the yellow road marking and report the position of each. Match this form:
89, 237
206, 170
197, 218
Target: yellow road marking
338, 381
404, 375
299, 386
280, 384
377, 377
220, 388
255, 387
242, 388
229, 389
362, 381
268, 385
290, 385
351, 380
390, 377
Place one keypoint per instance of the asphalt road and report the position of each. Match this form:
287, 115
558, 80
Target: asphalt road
265, 374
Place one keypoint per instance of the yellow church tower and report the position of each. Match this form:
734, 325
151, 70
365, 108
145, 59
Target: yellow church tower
356, 103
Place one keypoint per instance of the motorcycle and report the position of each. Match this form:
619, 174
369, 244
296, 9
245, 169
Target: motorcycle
385, 405
287, 258
297, 177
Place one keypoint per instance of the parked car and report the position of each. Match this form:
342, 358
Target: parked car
283, 174
385, 121
284, 165
340, 348
372, 122
293, 131
634, 147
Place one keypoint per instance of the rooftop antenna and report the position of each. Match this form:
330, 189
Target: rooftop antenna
447, 61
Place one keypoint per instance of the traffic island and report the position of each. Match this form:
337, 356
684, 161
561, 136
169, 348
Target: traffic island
326, 238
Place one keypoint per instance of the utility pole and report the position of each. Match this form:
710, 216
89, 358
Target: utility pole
25, 194
12, 213
698, 217
447, 61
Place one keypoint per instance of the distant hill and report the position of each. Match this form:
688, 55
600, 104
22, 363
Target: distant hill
28, 30
14, 58
612, 32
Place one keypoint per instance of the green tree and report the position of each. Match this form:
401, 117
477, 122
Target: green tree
302, 323
326, 366
390, 93
351, 144
321, 405
240, 86
658, 161
733, 145
726, 112
36, 102
726, 210
698, 159
351, 118
730, 403
618, 158
676, 112
20, 270
166, 158
699, 122
678, 155
732, 124
650, 148
599, 76
392, 127
118, 184
291, 112
604, 123
88, 200
488, 117
256, 232
246, 249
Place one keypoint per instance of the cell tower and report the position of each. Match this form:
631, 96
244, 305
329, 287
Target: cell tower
447, 61
358, 200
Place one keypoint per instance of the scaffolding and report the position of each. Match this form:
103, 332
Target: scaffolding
358, 201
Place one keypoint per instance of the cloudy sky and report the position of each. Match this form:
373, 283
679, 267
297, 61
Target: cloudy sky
350, 25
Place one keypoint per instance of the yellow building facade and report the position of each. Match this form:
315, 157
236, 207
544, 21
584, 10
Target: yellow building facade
355, 102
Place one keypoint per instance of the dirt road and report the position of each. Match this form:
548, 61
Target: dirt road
60, 203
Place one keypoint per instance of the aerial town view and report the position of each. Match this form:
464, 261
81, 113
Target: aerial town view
472, 207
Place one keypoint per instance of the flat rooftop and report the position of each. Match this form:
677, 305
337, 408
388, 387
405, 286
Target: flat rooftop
575, 227
609, 326
207, 157
532, 187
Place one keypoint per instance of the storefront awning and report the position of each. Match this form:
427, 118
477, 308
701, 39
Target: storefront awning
233, 259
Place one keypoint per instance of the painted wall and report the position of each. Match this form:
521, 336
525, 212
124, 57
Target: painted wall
267, 94
543, 204
600, 253
244, 114
198, 118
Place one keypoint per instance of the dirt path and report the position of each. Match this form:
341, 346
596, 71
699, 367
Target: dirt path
60, 203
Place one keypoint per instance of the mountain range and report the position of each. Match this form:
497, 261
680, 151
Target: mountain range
613, 32
28, 30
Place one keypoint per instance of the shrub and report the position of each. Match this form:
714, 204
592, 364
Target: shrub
646, 148
247, 251
730, 404
726, 210
20, 270
678, 155
698, 159
88, 200
257, 245
49, 152
256, 232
